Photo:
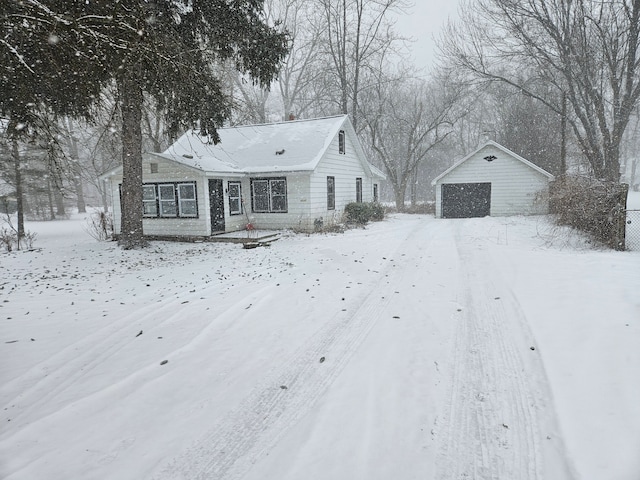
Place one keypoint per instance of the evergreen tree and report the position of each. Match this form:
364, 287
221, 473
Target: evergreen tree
164, 48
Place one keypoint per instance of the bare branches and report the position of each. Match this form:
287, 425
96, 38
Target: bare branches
583, 49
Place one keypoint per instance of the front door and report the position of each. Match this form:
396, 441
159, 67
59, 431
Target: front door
216, 202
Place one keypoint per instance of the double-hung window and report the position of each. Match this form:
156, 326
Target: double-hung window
331, 193
149, 201
235, 198
169, 200
187, 205
269, 195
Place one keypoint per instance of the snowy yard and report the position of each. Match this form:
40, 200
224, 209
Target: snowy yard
495, 348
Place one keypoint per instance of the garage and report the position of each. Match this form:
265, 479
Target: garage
466, 200
493, 181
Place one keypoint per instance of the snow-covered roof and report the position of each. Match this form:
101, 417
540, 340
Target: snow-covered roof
499, 147
286, 146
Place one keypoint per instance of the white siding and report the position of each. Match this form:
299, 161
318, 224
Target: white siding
168, 172
516, 188
345, 168
297, 215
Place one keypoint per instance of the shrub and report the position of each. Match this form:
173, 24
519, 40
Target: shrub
377, 211
361, 213
591, 206
100, 225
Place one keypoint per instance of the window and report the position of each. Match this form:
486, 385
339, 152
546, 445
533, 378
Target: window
169, 200
149, 201
153, 168
358, 190
341, 142
269, 195
375, 192
235, 198
331, 193
187, 206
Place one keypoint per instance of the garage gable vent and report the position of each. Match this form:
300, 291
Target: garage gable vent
490, 158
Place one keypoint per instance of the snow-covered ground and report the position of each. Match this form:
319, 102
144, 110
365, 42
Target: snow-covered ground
495, 348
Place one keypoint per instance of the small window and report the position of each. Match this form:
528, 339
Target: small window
341, 142
375, 192
331, 193
278, 195
235, 198
358, 190
269, 195
149, 201
153, 167
187, 206
167, 200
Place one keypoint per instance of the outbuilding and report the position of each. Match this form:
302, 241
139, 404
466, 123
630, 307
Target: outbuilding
493, 181
298, 174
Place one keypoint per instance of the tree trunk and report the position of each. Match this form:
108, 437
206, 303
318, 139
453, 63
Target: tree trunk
75, 169
563, 137
77, 184
52, 215
15, 153
400, 192
57, 194
414, 187
131, 233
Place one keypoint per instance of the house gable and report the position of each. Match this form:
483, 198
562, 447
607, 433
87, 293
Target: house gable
515, 185
488, 149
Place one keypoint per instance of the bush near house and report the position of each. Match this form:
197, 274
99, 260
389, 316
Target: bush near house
592, 206
361, 213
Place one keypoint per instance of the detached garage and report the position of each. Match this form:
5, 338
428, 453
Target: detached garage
492, 181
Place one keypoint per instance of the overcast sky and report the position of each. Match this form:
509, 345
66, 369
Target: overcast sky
424, 22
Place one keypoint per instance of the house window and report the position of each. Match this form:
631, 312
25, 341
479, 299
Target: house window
149, 201
187, 206
331, 193
269, 195
153, 168
358, 190
235, 198
169, 200
375, 192
341, 142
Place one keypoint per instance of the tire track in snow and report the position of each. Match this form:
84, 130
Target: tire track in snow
94, 351
491, 427
229, 449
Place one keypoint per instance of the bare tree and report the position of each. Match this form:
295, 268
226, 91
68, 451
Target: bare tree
356, 30
584, 50
405, 120
300, 81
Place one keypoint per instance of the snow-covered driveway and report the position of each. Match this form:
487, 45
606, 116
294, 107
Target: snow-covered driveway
416, 348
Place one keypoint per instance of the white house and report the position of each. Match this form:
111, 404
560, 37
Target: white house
296, 174
494, 181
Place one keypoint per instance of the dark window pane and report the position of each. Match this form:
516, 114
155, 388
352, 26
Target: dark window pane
279, 203
260, 195
187, 192
278, 187
149, 192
